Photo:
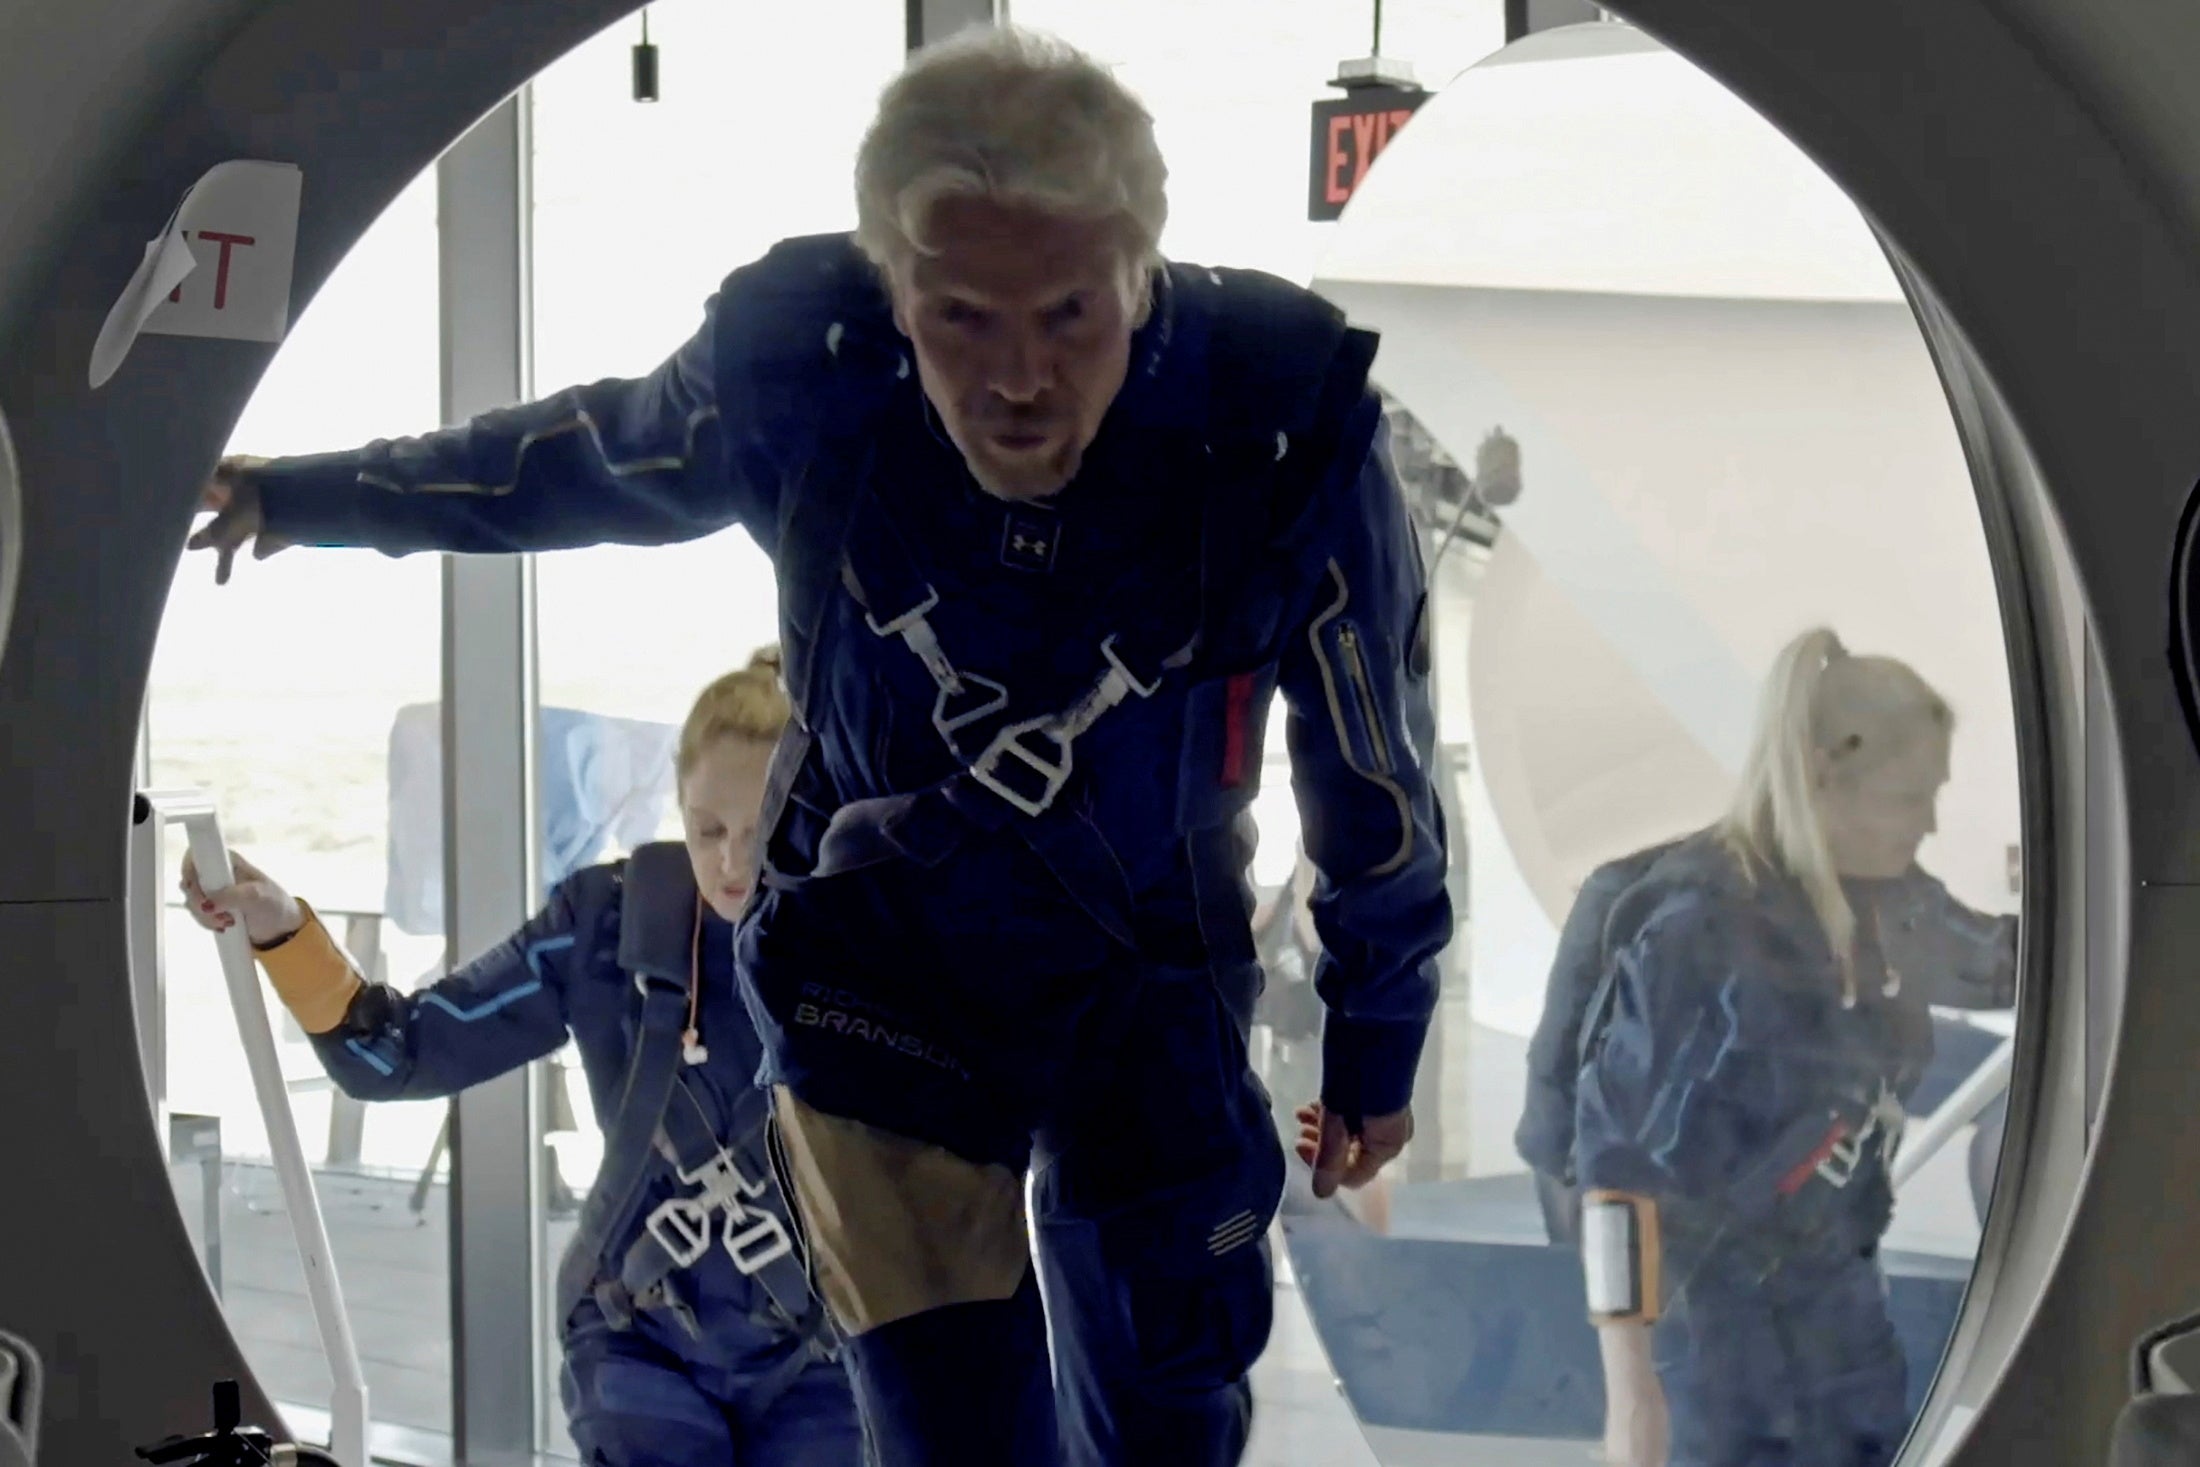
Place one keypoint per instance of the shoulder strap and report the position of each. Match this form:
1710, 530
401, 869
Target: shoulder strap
1273, 351
657, 913
1284, 376
807, 352
786, 324
628, 1153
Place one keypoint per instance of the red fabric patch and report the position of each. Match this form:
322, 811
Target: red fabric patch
1237, 703
1794, 1180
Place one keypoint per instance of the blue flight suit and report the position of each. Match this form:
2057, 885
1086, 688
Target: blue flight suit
1004, 911
1950, 956
708, 1365
1724, 1076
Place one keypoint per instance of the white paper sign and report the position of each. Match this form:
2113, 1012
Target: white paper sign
221, 267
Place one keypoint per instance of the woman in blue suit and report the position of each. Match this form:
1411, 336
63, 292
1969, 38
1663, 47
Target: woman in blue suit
1742, 1088
690, 1332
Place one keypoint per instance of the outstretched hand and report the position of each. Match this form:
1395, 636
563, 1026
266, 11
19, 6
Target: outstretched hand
1342, 1157
233, 496
269, 913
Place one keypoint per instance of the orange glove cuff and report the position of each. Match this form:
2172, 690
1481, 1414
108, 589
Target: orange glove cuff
311, 975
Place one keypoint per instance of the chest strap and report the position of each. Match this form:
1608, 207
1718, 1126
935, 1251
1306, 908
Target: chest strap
1027, 762
736, 1203
1014, 783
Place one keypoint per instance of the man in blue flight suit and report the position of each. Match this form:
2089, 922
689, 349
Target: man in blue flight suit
1053, 520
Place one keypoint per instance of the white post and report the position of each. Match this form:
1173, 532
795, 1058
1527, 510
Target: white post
348, 1407
1961, 1108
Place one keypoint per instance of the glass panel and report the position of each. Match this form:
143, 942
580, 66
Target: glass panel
301, 697
628, 636
1728, 432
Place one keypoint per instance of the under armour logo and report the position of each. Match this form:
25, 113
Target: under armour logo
1029, 539
1030, 535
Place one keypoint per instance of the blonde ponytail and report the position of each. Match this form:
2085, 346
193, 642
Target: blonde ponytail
1774, 822
751, 704
1820, 701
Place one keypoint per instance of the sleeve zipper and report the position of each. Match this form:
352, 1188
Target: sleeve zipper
1355, 668
1356, 673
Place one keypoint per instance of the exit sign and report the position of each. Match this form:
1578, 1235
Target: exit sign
1349, 133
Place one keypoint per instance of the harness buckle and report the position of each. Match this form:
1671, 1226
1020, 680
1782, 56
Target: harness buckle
722, 1181
901, 624
681, 1226
987, 768
972, 685
1847, 1154
1115, 660
758, 1245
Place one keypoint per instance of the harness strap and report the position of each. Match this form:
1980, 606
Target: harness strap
806, 353
732, 1181
657, 904
1026, 763
764, 1393
627, 1156
1015, 781
659, 1115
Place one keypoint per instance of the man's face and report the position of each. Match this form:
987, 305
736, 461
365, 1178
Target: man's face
1022, 338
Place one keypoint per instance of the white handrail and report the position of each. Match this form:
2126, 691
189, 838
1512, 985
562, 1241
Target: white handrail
1979, 1089
348, 1404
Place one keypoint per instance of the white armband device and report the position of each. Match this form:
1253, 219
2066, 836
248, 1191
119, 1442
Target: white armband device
1619, 1256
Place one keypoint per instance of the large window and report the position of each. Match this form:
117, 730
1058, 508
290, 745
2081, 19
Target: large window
640, 210
300, 697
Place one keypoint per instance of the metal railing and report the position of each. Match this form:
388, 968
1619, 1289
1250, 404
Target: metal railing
1981, 1088
202, 828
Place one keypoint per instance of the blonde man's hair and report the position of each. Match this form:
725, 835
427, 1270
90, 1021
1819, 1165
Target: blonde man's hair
1821, 701
749, 704
1015, 116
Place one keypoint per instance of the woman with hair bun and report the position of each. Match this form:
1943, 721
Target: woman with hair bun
1741, 1088
690, 1331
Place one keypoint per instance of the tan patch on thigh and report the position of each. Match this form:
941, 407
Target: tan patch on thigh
897, 1226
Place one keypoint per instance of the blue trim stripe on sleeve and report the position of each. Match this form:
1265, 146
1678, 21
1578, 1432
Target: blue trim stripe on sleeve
383, 1066
510, 996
